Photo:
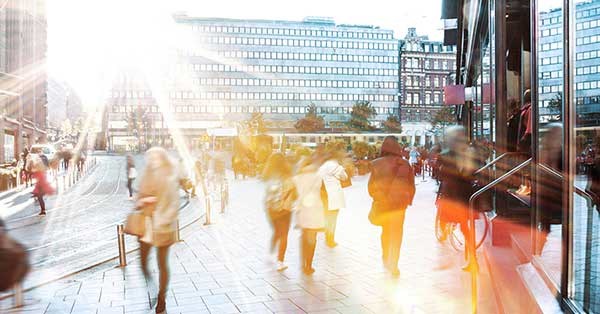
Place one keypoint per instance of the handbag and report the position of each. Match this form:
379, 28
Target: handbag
14, 262
135, 224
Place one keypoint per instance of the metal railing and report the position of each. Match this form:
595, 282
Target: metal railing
471, 245
496, 160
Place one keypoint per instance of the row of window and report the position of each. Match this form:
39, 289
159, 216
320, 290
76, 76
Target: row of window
131, 94
289, 32
306, 56
289, 69
587, 85
551, 46
551, 89
587, 25
438, 81
586, 40
415, 98
551, 31
550, 20
550, 74
588, 70
428, 64
298, 43
292, 83
281, 96
273, 109
586, 55
551, 60
588, 100
588, 12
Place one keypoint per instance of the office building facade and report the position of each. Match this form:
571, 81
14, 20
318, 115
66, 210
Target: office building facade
23, 83
234, 68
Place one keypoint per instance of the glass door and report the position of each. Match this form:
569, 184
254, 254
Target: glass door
584, 237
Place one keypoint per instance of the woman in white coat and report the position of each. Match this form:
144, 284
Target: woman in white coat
333, 173
309, 208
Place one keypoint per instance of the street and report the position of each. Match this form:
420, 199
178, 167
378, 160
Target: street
226, 267
79, 230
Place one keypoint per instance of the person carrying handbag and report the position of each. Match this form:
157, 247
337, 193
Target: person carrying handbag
392, 188
158, 201
333, 175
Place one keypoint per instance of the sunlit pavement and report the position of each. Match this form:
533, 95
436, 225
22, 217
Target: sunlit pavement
226, 268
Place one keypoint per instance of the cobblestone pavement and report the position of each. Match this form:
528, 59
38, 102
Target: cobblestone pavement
226, 268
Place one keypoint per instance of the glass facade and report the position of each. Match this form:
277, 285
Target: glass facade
534, 77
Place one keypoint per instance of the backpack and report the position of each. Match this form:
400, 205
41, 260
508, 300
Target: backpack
14, 261
278, 198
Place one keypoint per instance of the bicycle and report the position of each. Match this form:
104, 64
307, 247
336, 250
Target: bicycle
451, 231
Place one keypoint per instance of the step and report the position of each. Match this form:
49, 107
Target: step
544, 300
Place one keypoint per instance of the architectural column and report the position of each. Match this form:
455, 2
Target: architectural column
2, 139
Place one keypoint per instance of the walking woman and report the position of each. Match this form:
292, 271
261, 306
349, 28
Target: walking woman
280, 196
456, 168
158, 198
309, 208
333, 173
131, 175
37, 170
392, 187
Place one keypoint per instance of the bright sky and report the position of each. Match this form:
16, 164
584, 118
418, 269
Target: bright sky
89, 39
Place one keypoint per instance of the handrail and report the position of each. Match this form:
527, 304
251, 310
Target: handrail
581, 192
551, 171
471, 247
496, 160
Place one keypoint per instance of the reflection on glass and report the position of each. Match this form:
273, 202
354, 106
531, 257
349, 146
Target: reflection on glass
586, 220
548, 245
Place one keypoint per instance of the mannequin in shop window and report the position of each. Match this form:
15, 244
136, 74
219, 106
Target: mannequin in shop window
524, 140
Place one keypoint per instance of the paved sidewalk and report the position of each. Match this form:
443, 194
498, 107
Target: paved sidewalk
226, 268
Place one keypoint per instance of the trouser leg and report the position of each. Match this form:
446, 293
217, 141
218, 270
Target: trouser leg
144, 251
284, 228
309, 237
129, 187
331, 222
40, 199
163, 268
395, 241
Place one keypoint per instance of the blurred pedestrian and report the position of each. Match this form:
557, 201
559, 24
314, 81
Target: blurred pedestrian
37, 168
21, 169
279, 199
309, 208
158, 198
413, 159
392, 187
27, 173
332, 173
131, 175
456, 168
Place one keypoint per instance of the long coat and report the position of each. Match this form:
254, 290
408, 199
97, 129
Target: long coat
309, 206
163, 184
333, 173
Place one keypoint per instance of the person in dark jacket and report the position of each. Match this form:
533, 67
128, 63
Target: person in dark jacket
456, 168
392, 188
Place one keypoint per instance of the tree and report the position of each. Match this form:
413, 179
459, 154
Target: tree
442, 118
138, 123
362, 112
311, 121
255, 125
392, 124
555, 107
360, 150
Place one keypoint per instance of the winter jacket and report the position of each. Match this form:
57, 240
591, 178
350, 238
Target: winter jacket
392, 182
333, 173
309, 206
